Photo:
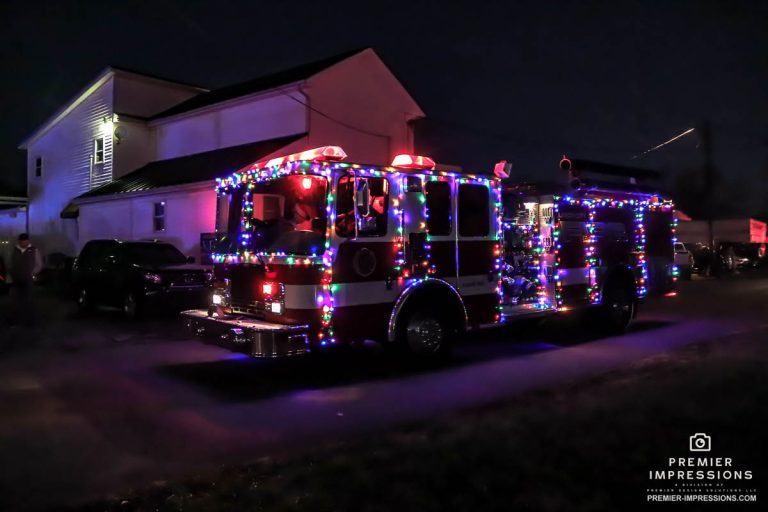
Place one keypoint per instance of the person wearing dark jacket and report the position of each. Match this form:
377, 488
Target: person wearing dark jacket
25, 263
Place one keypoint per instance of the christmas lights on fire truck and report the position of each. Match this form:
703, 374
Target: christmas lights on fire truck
312, 251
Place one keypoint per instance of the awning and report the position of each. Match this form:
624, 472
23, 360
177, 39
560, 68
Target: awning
193, 168
71, 211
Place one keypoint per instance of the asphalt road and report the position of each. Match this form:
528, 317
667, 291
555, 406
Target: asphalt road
93, 406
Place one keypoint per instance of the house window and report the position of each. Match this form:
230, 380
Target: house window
474, 215
158, 219
98, 151
38, 167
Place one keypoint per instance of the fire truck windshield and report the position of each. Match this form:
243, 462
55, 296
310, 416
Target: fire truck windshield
285, 215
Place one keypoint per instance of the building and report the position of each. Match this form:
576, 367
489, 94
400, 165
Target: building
744, 230
135, 157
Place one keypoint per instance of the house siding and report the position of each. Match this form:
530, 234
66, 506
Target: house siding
370, 112
188, 213
144, 97
247, 120
67, 150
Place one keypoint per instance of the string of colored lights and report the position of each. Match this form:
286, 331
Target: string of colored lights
407, 275
638, 207
556, 246
498, 248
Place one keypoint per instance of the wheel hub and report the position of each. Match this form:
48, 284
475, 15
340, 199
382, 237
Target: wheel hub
425, 335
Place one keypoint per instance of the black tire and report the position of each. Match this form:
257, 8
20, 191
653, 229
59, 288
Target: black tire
84, 302
426, 333
132, 306
617, 308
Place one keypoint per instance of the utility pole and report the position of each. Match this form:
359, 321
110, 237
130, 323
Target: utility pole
709, 178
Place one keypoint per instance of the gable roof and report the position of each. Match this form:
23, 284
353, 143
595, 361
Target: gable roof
195, 168
89, 89
263, 83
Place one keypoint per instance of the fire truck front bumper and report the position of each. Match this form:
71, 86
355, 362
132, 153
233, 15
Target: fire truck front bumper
248, 335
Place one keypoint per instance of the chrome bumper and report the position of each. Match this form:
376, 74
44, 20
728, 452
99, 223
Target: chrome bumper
248, 335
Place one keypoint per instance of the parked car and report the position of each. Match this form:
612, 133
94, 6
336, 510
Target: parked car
740, 256
138, 275
683, 260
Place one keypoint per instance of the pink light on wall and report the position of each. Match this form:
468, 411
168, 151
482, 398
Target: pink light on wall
757, 231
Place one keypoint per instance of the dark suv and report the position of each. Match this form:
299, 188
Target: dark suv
135, 275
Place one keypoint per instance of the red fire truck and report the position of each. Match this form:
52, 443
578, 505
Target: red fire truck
312, 251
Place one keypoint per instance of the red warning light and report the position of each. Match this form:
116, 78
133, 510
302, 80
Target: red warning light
321, 154
414, 162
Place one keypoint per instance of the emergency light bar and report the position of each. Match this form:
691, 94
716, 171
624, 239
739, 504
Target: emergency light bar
413, 162
321, 154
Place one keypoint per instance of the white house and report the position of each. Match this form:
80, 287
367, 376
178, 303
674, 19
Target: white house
136, 162
76, 150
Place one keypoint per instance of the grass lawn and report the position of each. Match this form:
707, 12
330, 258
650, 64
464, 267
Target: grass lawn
585, 446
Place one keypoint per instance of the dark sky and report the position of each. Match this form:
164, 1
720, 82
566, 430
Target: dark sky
525, 81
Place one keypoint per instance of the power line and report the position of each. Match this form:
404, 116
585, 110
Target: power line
686, 132
338, 121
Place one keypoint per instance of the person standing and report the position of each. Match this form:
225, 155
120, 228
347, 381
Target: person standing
25, 263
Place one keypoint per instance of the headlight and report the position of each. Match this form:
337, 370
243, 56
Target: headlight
217, 299
153, 278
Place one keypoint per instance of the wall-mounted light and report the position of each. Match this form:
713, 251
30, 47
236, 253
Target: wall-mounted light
109, 127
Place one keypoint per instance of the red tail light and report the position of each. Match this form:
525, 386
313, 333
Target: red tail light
268, 289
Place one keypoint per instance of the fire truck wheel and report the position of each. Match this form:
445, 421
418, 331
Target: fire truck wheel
426, 334
618, 308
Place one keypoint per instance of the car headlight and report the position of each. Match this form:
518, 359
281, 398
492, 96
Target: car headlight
153, 278
217, 299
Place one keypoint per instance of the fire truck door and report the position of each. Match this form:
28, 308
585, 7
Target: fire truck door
414, 226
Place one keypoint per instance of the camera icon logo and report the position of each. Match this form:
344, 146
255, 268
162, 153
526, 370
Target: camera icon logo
700, 442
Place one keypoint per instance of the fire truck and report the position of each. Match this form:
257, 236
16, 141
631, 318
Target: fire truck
312, 251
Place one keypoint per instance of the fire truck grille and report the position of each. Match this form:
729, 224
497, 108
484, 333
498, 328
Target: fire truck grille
256, 309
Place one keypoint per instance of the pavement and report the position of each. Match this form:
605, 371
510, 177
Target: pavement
94, 406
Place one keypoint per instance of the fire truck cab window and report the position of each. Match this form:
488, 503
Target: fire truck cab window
474, 215
438, 195
371, 204
285, 215
345, 207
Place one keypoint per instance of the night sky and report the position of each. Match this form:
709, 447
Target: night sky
523, 81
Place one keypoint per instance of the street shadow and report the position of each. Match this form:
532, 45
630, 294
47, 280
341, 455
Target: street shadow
239, 378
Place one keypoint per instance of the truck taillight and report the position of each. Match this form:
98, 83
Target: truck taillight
268, 289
